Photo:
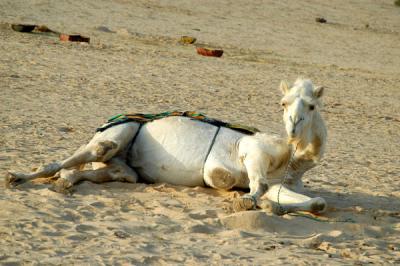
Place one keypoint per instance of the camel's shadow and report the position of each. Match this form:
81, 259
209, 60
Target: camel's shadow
355, 199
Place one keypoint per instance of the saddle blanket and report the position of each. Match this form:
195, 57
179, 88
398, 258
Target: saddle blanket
145, 118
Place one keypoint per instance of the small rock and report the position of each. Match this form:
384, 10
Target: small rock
325, 246
104, 29
121, 234
66, 129
272, 247
359, 209
23, 27
187, 40
320, 20
123, 32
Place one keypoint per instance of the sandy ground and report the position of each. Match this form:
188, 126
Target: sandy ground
54, 94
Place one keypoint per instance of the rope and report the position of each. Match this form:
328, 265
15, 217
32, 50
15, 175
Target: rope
281, 209
321, 219
302, 214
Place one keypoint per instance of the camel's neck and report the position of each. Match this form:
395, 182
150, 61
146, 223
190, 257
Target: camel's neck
310, 148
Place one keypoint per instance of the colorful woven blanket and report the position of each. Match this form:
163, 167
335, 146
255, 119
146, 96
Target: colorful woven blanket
144, 118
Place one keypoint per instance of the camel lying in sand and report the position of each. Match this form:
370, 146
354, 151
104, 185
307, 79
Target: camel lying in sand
183, 151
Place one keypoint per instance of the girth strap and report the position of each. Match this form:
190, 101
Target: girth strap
209, 151
129, 153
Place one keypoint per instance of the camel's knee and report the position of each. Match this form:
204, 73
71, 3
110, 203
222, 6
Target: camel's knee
220, 178
104, 150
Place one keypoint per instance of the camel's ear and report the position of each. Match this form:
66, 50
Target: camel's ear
284, 87
318, 92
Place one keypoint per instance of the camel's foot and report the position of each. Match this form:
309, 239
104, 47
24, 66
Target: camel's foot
63, 186
12, 180
244, 203
318, 205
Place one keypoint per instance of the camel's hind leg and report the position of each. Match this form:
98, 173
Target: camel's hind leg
113, 170
104, 146
13, 179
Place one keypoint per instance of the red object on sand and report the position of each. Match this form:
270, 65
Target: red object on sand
209, 52
73, 38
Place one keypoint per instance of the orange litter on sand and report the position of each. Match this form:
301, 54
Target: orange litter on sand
45, 30
209, 52
74, 38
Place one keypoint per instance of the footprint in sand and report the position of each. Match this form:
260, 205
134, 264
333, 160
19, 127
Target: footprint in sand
85, 228
200, 229
203, 214
98, 204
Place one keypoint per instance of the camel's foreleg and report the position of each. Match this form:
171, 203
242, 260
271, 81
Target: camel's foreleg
290, 201
256, 165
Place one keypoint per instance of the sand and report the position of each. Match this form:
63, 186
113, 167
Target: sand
54, 94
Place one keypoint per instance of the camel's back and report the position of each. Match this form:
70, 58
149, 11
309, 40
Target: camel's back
172, 150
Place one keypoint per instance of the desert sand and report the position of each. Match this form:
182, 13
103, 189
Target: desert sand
54, 94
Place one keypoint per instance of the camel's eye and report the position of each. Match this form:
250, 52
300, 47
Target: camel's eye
312, 107
284, 104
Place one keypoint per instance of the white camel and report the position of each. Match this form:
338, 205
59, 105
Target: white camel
183, 151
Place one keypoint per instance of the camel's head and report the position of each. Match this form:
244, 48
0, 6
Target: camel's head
300, 104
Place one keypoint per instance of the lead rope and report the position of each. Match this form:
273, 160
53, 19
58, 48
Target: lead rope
281, 209
302, 214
